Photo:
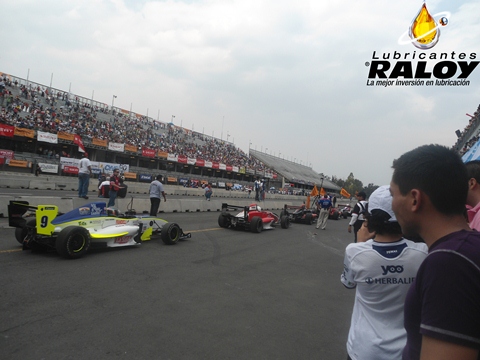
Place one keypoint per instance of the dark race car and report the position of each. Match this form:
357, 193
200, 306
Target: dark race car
251, 218
91, 225
299, 214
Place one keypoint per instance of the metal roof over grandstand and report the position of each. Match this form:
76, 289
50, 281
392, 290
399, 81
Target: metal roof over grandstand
293, 172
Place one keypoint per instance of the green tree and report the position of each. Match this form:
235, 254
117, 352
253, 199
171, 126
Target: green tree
338, 181
353, 185
370, 189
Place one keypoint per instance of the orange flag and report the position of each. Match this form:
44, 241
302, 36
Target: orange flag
314, 191
344, 193
322, 191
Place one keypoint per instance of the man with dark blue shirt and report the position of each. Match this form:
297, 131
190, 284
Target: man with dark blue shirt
442, 309
323, 205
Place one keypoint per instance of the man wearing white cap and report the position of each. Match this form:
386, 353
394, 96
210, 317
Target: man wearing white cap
381, 269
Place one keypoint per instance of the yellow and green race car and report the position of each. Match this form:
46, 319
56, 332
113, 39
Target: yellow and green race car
91, 225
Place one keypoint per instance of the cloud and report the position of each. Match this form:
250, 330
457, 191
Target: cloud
287, 76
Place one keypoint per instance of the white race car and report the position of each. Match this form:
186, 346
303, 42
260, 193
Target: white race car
88, 226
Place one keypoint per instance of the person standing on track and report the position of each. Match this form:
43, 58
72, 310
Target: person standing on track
114, 187
323, 205
156, 189
358, 214
256, 186
84, 170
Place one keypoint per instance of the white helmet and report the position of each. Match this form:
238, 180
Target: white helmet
254, 207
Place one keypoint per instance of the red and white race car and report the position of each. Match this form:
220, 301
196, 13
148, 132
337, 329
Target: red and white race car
251, 218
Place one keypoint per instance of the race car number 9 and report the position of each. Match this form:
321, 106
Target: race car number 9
44, 221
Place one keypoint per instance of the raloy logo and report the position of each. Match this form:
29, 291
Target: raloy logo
424, 30
425, 68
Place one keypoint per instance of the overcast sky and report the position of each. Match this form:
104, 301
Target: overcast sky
287, 76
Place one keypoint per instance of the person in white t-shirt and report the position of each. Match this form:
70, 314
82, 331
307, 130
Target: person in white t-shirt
381, 267
156, 190
84, 170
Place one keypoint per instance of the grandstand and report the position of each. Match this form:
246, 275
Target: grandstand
44, 126
468, 139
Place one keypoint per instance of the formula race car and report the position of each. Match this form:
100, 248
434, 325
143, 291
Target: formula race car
299, 214
91, 225
251, 218
334, 214
346, 211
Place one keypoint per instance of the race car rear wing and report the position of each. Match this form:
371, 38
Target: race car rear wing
17, 213
44, 214
226, 208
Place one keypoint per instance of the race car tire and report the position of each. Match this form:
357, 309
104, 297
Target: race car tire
73, 242
282, 213
284, 222
336, 216
256, 225
309, 219
171, 233
223, 221
20, 233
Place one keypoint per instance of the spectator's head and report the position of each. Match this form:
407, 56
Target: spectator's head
380, 217
429, 184
436, 171
159, 177
85, 154
361, 195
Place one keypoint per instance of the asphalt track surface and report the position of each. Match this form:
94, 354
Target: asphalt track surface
222, 294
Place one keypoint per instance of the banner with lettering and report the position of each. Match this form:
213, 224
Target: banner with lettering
99, 142
7, 130
47, 137
70, 170
148, 152
48, 168
182, 159
7, 153
116, 146
65, 136
172, 157
130, 175
19, 163
24, 132
131, 148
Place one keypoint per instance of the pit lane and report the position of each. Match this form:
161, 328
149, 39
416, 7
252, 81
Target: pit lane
222, 294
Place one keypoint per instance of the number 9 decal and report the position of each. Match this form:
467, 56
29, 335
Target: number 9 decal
44, 221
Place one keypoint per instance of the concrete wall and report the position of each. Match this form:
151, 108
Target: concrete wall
192, 200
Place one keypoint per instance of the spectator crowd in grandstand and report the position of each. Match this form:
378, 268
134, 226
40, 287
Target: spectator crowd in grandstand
37, 108
467, 134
